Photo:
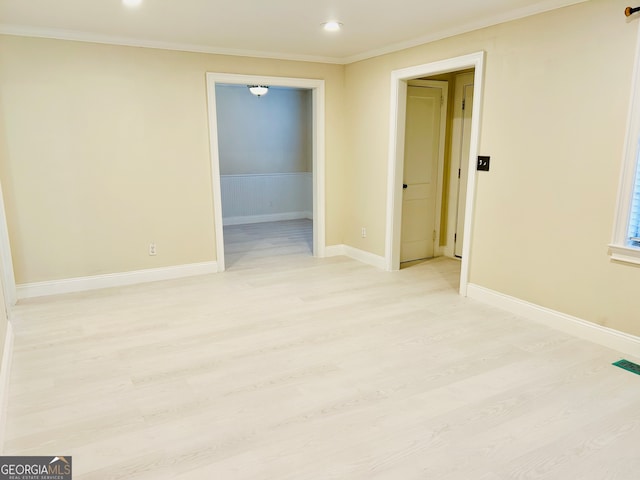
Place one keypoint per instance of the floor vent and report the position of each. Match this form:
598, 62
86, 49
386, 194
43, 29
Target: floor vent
627, 365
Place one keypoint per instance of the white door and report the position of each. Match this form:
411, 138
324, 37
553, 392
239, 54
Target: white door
420, 177
460, 152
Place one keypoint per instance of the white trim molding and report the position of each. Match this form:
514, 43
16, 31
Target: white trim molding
91, 37
5, 373
624, 254
395, 165
268, 217
83, 284
356, 254
6, 260
608, 337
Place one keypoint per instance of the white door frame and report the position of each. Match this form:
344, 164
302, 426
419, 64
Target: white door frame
317, 92
6, 260
399, 80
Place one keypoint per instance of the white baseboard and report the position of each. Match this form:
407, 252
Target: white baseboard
5, 370
578, 327
81, 284
357, 254
335, 251
270, 217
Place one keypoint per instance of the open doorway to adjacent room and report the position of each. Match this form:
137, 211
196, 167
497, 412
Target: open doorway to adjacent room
434, 140
267, 157
266, 174
436, 159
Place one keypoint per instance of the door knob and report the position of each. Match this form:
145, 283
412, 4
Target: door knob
404, 185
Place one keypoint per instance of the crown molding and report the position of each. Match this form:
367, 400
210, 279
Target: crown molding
80, 36
459, 30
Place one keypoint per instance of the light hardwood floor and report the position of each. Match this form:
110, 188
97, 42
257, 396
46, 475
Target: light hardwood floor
292, 367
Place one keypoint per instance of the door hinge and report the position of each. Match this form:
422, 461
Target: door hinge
455, 237
458, 173
434, 235
464, 103
441, 100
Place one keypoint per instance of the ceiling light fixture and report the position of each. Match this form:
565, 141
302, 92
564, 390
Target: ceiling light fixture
131, 3
258, 90
332, 26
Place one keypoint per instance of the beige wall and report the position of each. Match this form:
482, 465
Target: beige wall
108, 150
556, 93
270, 134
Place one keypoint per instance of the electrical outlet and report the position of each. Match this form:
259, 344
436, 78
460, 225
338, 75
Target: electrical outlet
364, 232
152, 249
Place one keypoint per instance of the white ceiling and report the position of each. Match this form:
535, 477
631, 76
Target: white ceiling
273, 28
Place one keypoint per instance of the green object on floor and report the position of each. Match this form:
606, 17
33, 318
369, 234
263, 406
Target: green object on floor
629, 366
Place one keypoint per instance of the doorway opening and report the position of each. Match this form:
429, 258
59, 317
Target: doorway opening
315, 89
266, 178
436, 218
424, 156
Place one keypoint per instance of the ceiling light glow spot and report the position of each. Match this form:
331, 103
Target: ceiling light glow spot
332, 26
131, 3
258, 90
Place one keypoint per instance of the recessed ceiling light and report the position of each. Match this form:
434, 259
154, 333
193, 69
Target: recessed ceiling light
332, 26
131, 3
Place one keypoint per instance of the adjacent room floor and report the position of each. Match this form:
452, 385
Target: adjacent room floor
268, 242
292, 367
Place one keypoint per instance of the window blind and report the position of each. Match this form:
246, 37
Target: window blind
633, 234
